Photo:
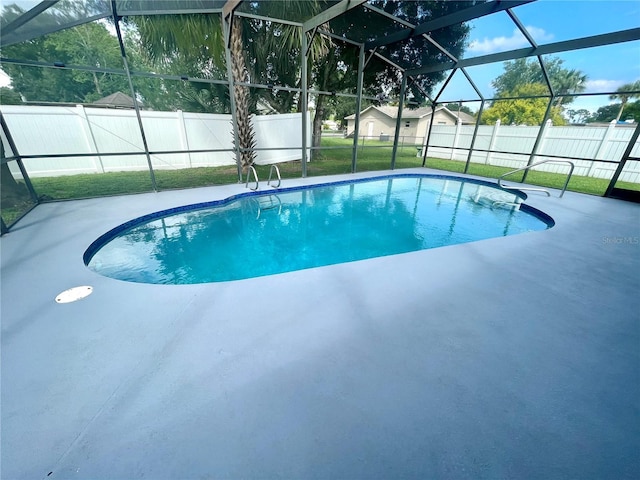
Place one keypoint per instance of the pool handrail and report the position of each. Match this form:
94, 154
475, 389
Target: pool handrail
255, 176
273, 165
564, 188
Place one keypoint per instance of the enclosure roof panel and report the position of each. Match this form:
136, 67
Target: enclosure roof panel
410, 37
160, 7
22, 21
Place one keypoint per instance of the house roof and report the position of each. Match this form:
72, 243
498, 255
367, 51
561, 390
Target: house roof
392, 112
117, 99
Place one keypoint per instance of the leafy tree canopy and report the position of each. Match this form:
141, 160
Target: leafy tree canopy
523, 111
381, 77
192, 45
610, 112
578, 116
90, 44
524, 71
337, 71
93, 45
626, 93
8, 96
463, 108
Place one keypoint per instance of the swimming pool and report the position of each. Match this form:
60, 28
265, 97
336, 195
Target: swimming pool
264, 233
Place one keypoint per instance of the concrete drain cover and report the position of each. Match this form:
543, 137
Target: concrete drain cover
74, 294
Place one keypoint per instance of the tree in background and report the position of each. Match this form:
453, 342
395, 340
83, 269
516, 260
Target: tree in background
564, 82
197, 40
610, 112
183, 45
578, 116
94, 45
523, 71
274, 50
8, 96
90, 44
261, 52
454, 107
338, 70
523, 111
626, 92
522, 77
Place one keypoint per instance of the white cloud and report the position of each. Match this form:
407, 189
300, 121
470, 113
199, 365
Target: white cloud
516, 40
539, 34
603, 85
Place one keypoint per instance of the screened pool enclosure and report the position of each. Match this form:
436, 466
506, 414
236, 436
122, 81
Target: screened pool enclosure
115, 97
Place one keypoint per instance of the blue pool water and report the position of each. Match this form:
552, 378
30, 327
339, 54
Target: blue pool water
283, 230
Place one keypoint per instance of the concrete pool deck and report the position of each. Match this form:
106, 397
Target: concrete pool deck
515, 357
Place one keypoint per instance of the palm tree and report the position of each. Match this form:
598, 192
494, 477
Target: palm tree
627, 92
568, 81
198, 40
245, 133
276, 57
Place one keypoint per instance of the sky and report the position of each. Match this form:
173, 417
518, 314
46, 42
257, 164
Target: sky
548, 21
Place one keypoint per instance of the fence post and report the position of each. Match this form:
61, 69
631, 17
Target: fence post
455, 138
492, 142
184, 139
604, 143
89, 138
427, 137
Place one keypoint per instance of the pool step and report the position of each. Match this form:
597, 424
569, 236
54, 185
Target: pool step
493, 202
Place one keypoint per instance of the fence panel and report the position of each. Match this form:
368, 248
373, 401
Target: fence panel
442, 135
55, 130
86, 130
205, 131
516, 139
43, 130
577, 143
284, 130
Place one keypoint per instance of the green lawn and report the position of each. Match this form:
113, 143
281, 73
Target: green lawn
330, 160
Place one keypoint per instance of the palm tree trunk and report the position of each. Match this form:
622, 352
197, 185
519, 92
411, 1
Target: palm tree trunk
246, 134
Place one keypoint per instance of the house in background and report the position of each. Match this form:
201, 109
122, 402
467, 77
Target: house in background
117, 100
380, 122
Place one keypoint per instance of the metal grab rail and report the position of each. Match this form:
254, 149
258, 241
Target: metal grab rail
255, 176
507, 187
273, 165
268, 204
271, 205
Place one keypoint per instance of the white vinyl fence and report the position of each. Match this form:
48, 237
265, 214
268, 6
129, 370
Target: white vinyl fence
573, 142
39, 130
